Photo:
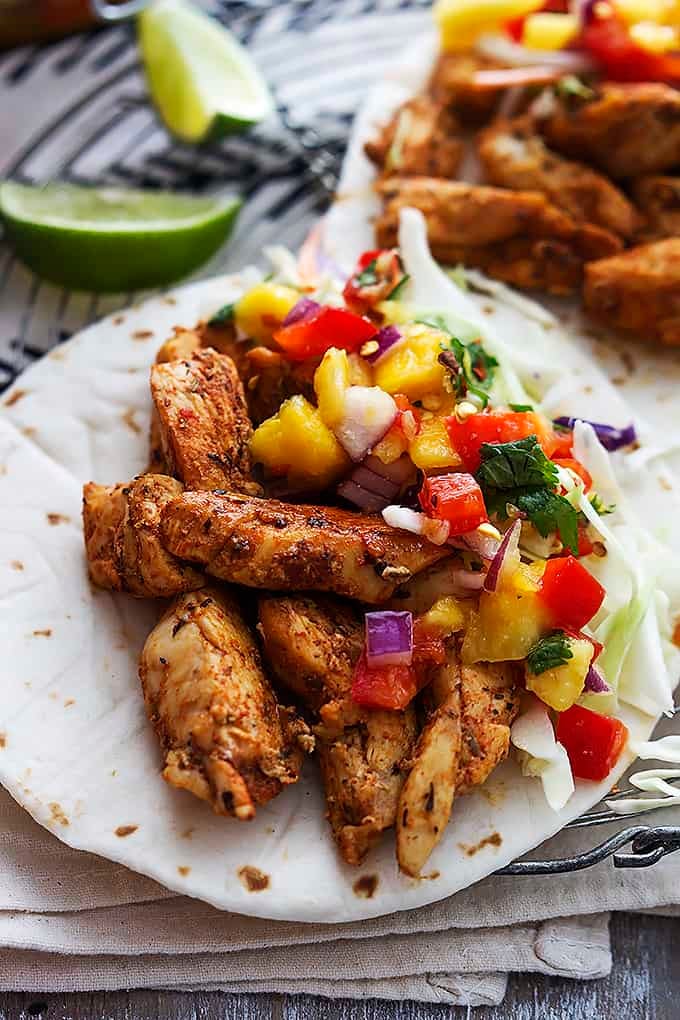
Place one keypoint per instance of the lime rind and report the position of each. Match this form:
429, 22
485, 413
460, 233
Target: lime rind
202, 81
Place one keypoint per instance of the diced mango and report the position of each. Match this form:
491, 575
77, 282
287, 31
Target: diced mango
561, 687
655, 38
263, 308
360, 371
633, 11
526, 579
296, 443
461, 22
411, 367
331, 380
506, 626
431, 449
446, 616
547, 31
391, 446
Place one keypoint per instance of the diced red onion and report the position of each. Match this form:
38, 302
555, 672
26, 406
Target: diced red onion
485, 546
389, 638
369, 502
302, 311
368, 414
512, 54
610, 437
385, 338
373, 485
404, 519
507, 549
595, 682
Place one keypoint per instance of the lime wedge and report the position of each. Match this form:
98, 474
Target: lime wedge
112, 239
201, 79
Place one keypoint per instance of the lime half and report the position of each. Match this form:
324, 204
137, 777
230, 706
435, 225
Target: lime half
112, 239
201, 79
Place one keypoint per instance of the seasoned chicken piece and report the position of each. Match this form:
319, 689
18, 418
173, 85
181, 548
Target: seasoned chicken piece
204, 424
454, 83
627, 129
263, 543
639, 291
423, 137
223, 735
514, 236
124, 551
465, 738
269, 379
312, 645
658, 199
182, 344
515, 156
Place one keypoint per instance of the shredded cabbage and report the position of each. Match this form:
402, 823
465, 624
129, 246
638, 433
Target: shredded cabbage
541, 755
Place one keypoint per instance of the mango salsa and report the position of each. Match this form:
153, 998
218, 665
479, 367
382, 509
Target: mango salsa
411, 367
461, 22
263, 308
431, 450
446, 616
547, 31
296, 443
561, 686
331, 380
507, 624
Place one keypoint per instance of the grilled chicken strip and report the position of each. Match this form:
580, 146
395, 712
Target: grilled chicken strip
639, 291
465, 738
514, 236
421, 138
312, 645
627, 129
515, 156
124, 551
263, 543
204, 424
658, 199
223, 734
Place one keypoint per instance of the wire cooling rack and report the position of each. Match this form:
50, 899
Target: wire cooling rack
85, 118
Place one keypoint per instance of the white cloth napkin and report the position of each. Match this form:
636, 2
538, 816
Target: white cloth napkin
72, 921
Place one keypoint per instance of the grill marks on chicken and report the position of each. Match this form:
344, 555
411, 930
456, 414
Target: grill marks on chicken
515, 156
264, 543
639, 290
627, 129
223, 734
464, 739
312, 644
203, 421
421, 138
122, 538
515, 236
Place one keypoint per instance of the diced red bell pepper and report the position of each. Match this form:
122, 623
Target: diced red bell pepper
570, 593
557, 443
606, 37
428, 646
592, 741
468, 436
330, 327
577, 468
390, 687
455, 498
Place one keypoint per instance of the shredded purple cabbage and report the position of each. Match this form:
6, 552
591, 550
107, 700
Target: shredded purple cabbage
610, 437
301, 311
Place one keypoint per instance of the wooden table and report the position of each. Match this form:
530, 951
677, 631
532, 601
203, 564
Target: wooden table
644, 985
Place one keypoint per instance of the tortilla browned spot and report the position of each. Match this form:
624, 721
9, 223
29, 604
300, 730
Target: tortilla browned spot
126, 830
366, 886
253, 879
55, 519
495, 839
15, 397
58, 814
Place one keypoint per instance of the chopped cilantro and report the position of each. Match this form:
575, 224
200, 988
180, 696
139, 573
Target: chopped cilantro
368, 277
471, 368
550, 652
396, 291
519, 473
520, 407
571, 87
223, 316
600, 507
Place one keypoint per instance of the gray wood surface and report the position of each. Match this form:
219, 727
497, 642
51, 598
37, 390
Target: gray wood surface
644, 985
